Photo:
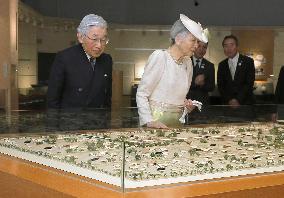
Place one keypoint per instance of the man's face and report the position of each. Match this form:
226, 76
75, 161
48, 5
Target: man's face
200, 50
95, 41
230, 48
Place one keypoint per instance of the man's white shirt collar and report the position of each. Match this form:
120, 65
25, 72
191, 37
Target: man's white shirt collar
234, 59
88, 56
194, 60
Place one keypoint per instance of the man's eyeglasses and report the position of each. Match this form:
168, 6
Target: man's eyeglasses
102, 41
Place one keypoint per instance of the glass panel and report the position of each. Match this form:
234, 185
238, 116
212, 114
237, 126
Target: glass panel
201, 152
95, 155
111, 148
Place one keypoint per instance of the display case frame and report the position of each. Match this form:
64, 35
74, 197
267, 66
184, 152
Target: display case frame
270, 185
51, 179
51, 173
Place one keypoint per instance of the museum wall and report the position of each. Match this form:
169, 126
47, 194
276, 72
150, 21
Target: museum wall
164, 12
278, 52
27, 69
130, 46
8, 54
250, 45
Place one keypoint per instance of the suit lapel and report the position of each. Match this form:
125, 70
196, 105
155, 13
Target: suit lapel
99, 75
227, 68
202, 64
99, 71
86, 66
239, 65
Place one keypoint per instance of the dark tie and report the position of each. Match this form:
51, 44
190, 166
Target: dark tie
93, 63
197, 63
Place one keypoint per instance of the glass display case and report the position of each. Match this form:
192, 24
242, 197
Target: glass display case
109, 151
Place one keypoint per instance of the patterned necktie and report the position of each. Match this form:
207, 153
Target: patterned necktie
197, 63
93, 63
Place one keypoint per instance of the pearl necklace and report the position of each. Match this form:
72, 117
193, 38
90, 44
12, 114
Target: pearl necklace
179, 62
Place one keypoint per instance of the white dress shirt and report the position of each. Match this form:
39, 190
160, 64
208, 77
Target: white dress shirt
195, 61
233, 62
164, 82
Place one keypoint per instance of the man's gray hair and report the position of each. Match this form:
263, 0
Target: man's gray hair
91, 20
178, 28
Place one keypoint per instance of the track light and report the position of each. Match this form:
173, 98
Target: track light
196, 3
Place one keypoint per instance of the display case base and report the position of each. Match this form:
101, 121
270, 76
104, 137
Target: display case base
20, 178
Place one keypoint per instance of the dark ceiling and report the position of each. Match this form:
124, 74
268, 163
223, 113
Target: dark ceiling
165, 12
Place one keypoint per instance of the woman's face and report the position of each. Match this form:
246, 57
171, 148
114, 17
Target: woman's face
187, 44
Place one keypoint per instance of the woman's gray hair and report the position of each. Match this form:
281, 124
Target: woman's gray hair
178, 29
91, 20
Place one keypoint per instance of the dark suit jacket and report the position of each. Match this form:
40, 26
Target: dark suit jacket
200, 93
279, 91
241, 88
74, 84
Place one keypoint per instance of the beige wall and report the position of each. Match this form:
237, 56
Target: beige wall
8, 54
130, 46
27, 69
5, 47
51, 40
258, 42
34, 39
278, 52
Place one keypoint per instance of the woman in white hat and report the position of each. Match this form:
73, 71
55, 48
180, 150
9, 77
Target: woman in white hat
161, 95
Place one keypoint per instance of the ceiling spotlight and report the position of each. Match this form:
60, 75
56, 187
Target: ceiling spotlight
196, 3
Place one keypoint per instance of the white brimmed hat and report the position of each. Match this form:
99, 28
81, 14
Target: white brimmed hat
194, 28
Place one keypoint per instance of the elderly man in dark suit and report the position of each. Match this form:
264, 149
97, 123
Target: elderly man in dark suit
203, 79
236, 75
80, 83
81, 76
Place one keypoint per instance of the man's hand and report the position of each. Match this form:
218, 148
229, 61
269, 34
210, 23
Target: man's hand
234, 103
200, 80
274, 117
157, 125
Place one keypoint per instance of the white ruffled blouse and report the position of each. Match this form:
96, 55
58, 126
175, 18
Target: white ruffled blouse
164, 81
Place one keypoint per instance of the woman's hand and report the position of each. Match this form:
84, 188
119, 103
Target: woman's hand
157, 125
188, 104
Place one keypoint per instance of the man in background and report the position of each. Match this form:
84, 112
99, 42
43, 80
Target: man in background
203, 79
235, 80
236, 75
279, 97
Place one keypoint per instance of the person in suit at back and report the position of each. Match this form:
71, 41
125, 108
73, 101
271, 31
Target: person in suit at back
203, 79
81, 76
279, 97
80, 83
235, 75
279, 91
